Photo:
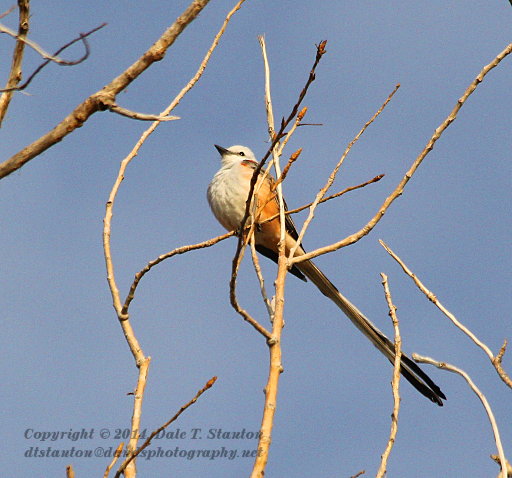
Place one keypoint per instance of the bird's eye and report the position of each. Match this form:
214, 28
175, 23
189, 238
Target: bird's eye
241, 153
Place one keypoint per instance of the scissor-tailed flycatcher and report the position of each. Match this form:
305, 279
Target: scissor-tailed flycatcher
227, 195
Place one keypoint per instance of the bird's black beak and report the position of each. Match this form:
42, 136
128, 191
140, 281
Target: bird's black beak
222, 151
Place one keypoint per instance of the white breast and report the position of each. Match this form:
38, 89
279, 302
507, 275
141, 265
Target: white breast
227, 195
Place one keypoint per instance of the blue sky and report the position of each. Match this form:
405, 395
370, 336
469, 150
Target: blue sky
66, 365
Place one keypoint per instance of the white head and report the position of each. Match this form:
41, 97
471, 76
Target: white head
235, 155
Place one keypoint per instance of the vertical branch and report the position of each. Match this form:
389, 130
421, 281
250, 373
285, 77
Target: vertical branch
15, 74
274, 344
130, 470
395, 381
142, 362
129, 334
261, 280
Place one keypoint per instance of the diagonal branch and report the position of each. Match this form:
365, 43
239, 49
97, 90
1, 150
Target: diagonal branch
495, 359
400, 188
334, 172
96, 102
132, 456
167, 255
481, 397
114, 107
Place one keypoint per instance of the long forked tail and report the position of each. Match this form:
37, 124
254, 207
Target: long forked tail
410, 370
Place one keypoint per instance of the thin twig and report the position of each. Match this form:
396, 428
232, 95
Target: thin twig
261, 280
495, 360
48, 56
232, 290
117, 454
82, 37
395, 381
139, 116
360, 473
400, 188
7, 12
133, 455
292, 159
334, 172
328, 198
481, 397
163, 257
192, 10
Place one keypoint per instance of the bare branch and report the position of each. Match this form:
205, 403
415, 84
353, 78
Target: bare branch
400, 188
292, 159
328, 198
95, 102
275, 140
360, 473
499, 368
480, 395
333, 174
117, 454
7, 12
395, 381
261, 280
163, 257
275, 365
82, 37
139, 116
232, 288
122, 310
155, 53
15, 74
495, 360
47, 56
133, 455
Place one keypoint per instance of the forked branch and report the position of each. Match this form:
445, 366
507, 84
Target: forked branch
415, 165
98, 101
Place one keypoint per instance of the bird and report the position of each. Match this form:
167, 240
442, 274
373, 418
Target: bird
227, 196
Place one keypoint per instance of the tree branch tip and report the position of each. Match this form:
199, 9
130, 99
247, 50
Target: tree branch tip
302, 113
321, 47
501, 352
